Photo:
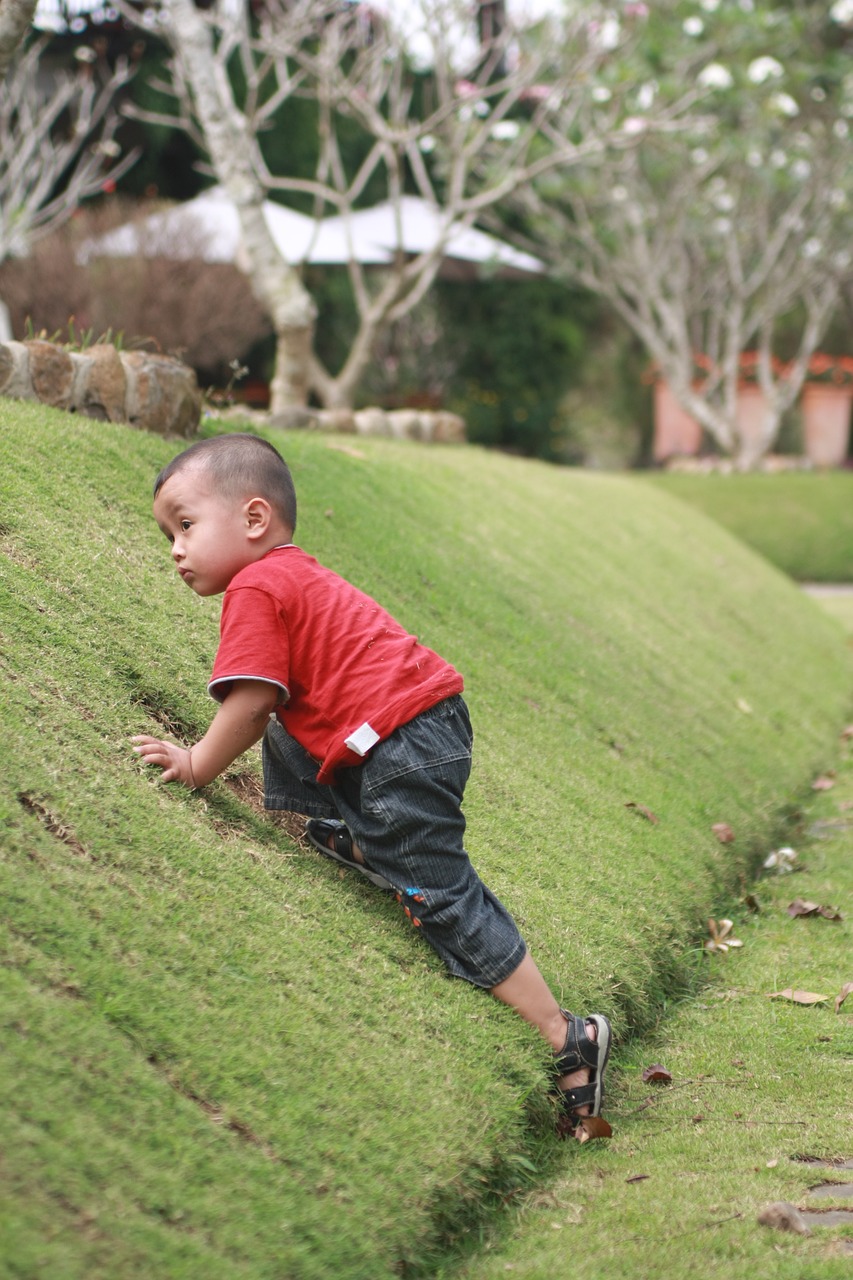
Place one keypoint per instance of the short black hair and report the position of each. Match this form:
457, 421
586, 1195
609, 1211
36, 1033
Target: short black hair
241, 465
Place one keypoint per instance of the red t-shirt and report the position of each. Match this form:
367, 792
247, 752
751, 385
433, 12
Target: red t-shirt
345, 667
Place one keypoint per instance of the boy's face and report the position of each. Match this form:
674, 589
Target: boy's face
208, 533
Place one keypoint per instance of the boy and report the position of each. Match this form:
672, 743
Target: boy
371, 737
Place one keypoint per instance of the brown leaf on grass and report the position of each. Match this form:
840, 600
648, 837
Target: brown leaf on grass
348, 450
847, 734
800, 908
845, 991
638, 1177
592, 1127
752, 904
798, 997
723, 832
641, 809
825, 783
657, 1075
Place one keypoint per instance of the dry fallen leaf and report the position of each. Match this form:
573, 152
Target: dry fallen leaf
847, 733
593, 1127
723, 832
720, 939
798, 997
641, 808
639, 1177
347, 449
800, 908
845, 991
743, 705
825, 783
657, 1075
752, 904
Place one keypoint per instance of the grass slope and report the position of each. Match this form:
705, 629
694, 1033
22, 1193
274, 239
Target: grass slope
227, 1058
758, 1111
801, 521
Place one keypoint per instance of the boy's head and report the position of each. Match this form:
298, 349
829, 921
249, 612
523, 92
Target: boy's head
240, 466
224, 504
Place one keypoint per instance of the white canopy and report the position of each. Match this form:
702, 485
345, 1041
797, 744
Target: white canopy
416, 228
208, 227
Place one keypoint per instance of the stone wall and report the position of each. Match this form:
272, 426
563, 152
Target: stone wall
150, 391
436, 426
159, 393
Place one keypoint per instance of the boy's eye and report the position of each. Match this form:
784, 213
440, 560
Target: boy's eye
185, 524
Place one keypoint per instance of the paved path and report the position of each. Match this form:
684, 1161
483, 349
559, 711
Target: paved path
828, 588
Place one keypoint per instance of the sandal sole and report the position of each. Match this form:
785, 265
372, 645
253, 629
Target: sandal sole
602, 1025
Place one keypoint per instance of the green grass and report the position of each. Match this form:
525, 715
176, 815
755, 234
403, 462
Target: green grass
802, 522
227, 1058
757, 1085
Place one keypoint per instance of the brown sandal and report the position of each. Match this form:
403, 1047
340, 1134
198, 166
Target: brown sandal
334, 841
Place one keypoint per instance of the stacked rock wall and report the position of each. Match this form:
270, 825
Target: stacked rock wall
155, 392
159, 393
436, 426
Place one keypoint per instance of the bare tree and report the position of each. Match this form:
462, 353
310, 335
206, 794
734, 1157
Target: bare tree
704, 262
478, 134
56, 145
15, 19
730, 236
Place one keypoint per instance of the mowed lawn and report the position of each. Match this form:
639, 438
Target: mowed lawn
801, 521
226, 1058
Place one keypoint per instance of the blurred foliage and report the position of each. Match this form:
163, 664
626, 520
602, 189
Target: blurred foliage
519, 345
535, 367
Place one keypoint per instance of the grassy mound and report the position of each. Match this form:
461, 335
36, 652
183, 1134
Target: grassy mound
229, 1059
801, 521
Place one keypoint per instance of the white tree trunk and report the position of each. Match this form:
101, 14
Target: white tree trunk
15, 19
230, 146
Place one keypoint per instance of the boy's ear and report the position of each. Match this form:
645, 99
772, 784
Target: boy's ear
258, 513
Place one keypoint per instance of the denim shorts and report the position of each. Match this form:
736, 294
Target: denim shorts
403, 809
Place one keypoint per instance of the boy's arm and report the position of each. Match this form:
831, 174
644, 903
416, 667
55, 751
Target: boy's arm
238, 724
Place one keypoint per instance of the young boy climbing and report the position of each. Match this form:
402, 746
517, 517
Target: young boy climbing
370, 736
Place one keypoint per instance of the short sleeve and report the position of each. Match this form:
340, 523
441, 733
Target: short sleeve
253, 642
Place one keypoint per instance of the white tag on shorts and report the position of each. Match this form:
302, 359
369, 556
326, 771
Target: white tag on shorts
362, 740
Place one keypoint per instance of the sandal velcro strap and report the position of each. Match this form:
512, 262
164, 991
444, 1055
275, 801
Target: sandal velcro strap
343, 843
581, 1052
583, 1095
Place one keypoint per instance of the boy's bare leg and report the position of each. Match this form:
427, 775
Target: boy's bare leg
526, 991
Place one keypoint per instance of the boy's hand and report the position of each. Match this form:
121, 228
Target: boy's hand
238, 724
174, 761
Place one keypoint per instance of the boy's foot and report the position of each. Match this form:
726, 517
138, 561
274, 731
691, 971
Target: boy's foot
334, 841
581, 1064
